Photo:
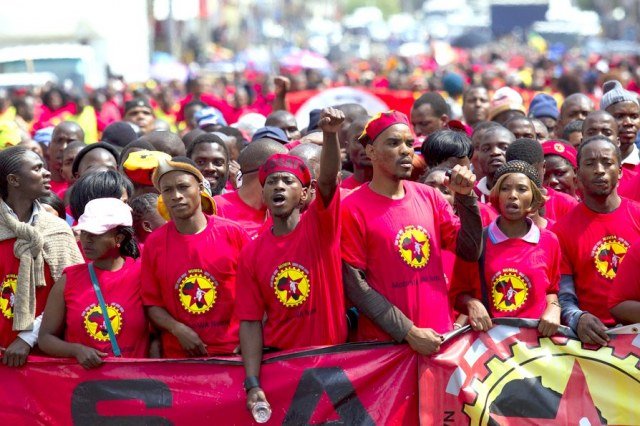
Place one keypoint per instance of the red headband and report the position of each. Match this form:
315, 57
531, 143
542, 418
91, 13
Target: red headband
285, 163
381, 122
561, 149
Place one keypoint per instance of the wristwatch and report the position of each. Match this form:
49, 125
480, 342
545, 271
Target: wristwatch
251, 382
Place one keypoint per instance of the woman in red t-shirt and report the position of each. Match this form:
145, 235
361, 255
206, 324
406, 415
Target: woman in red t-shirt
519, 272
73, 324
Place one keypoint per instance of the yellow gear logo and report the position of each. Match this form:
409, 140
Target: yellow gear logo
509, 290
608, 254
413, 246
547, 378
291, 284
7, 295
197, 291
95, 324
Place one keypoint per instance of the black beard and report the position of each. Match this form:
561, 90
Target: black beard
222, 183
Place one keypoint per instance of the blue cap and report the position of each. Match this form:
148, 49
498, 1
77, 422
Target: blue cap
314, 119
43, 135
209, 116
543, 105
271, 132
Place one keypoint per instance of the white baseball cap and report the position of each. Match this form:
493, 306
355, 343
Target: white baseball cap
104, 214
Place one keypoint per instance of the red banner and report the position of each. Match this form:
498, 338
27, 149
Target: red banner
507, 376
511, 376
364, 385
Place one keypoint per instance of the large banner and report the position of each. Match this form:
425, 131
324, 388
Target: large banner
507, 376
511, 376
355, 385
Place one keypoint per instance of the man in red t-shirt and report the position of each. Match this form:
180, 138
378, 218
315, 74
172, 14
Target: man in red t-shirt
189, 269
63, 134
393, 233
246, 206
362, 170
296, 284
594, 238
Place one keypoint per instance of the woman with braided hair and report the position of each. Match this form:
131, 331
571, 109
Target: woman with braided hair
35, 247
519, 270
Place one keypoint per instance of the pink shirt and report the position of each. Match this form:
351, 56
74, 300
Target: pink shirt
230, 206
398, 243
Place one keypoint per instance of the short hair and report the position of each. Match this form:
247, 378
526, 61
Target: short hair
257, 153
470, 89
437, 102
274, 118
309, 153
595, 138
352, 110
525, 149
56, 203
572, 127
194, 104
430, 171
207, 138
11, 162
482, 127
165, 141
87, 149
232, 131
443, 144
101, 184
190, 136
518, 118
143, 205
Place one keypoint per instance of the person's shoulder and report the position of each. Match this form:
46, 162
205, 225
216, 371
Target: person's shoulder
51, 223
548, 236
74, 269
564, 197
226, 225
352, 199
568, 221
157, 235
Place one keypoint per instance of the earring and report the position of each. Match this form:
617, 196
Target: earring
118, 245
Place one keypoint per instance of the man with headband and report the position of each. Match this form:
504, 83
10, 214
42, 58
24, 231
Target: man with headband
393, 233
297, 280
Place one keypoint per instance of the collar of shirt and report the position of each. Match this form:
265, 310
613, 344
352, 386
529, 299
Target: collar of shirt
35, 211
497, 236
633, 158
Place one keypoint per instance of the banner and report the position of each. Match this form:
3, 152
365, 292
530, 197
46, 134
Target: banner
353, 384
511, 376
374, 100
507, 376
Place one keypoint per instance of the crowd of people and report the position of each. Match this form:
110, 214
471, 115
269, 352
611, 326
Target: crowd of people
148, 227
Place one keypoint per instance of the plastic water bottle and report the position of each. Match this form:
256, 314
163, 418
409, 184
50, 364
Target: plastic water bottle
261, 412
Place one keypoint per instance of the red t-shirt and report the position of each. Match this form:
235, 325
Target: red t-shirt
59, 187
9, 266
297, 282
193, 277
398, 243
230, 206
519, 272
593, 246
629, 186
626, 286
84, 322
350, 183
558, 204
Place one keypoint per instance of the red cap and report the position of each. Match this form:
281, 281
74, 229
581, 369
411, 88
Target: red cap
381, 122
285, 163
562, 149
459, 126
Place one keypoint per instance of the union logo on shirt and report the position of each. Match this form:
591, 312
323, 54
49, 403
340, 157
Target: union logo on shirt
509, 290
608, 254
291, 284
94, 322
413, 246
7, 295
197, 291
